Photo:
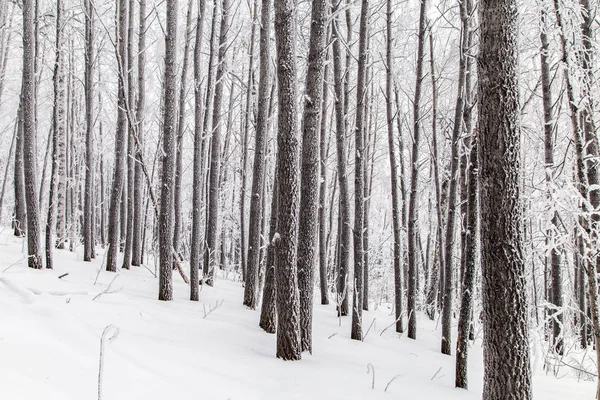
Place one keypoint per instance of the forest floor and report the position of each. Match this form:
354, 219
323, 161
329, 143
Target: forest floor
50, 330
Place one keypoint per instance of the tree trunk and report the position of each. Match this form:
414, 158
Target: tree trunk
258, 175
308, 237
120, 142
137, 244
29, 137
344, 228
88, 223
165, 291
195, 255
288, 193
58, 126
268, 312
396, 217
215, 156
413, 271
180, 132
468, 276
507, 371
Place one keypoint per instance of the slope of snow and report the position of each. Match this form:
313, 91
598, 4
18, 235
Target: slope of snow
50, 331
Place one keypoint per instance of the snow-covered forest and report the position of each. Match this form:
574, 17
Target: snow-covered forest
285, 199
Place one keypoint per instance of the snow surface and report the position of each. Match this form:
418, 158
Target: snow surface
50, 331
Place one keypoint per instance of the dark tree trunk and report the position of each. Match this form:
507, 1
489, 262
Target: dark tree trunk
468, 276
58, 127
507, 371
268, 312
324, 287
29, 137
396, 217
180, 132
165, 290
413, 270
137, 244
88, 222
308, 237
195, 255
359, 175
20, 217
120, 143
288, 193
258, 175
213, 227
344, 228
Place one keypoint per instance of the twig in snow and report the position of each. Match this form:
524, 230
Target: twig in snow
63, 275
211, 308
107, 290
332, 335
110, 333
392, 324
368, 330
101, 267
371, 368
437, 372
390, 382
13, 264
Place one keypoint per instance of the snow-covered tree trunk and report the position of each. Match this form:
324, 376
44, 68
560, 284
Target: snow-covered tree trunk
88, 212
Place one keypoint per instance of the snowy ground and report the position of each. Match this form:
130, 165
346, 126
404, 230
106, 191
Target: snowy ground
50, 333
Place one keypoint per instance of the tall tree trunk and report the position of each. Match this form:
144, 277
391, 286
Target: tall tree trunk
288, 193
165, 290
413, 271
7, 166
344, 213
20, 216
120, 141
396, 217
359, 175
453, 190
552, 233
58, 126
308, 236
195, 255
88, 223
137, 244
468, 276
29, 137
245, 253
258, 175
180, 132
213, 227
324, 287
507, 371
268, 312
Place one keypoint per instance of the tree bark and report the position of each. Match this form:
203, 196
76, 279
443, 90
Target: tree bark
29, 137
165, 291
288, 193
260, 147
413, 270
507, 371
88, 223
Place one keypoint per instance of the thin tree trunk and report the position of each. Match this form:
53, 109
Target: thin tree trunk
396, 216
468, 276
120, 142
137, 244
88, 223
344, 213
6, 168
215, 156
258, 175
58, 126
29, 137
165, 291
180, 131
412, 204
195, 255
20, 215
268, 312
